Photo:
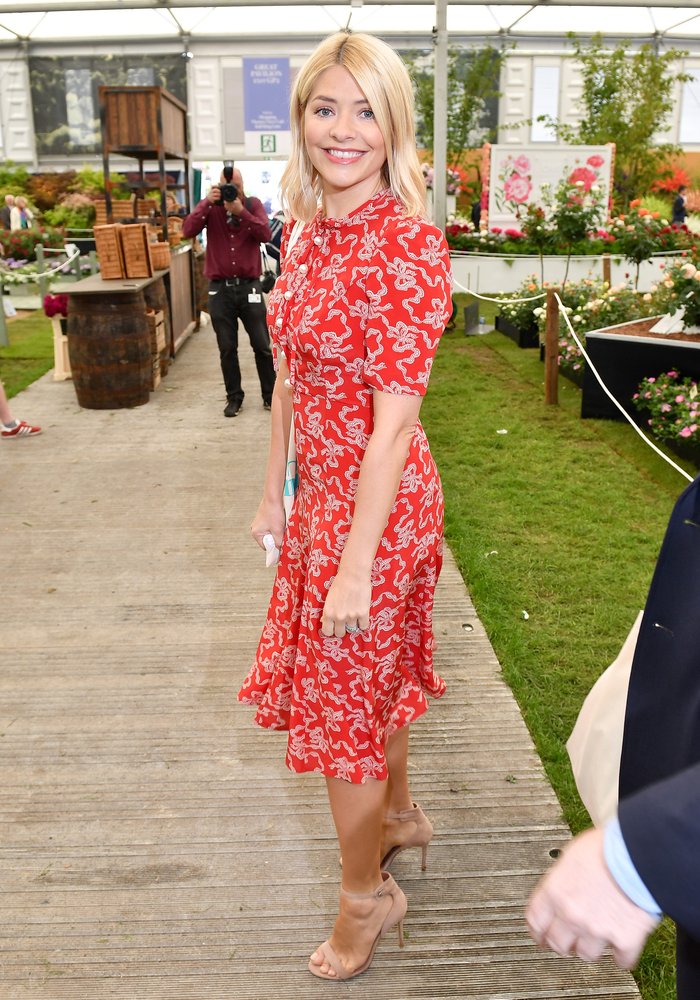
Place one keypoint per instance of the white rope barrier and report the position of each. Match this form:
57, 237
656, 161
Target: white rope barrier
500, 302
564, 310
21, 279
610, 396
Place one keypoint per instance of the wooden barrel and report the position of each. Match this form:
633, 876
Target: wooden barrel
157, 298
110, 351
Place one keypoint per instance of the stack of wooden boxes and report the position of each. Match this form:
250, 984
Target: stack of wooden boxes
156, 330
124, 251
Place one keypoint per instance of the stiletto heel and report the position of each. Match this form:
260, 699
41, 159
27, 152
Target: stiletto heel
420, 837
394, 918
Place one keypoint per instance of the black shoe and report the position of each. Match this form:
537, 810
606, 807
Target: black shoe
267, 404
232, 407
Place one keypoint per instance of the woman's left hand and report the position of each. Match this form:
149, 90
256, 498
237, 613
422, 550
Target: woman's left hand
347, 605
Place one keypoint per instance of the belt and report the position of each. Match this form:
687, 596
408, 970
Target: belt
232, 281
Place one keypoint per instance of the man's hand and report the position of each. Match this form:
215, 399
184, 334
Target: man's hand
214, 195
235, 207
578, 909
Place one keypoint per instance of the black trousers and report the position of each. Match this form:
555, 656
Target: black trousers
687, 966
229, 303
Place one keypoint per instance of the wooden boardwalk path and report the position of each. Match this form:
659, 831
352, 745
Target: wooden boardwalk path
152, 843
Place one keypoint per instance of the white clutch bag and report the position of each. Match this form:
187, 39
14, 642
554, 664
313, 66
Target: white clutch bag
595, 745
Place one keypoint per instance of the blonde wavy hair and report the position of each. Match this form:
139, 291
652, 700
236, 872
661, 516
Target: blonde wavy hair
382, 77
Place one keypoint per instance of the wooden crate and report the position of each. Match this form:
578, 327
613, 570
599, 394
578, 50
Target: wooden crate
109, 251
137, 256
155, 371
61, 358
156, 330
123, 209
139, 119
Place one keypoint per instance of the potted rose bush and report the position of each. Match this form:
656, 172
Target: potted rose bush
671, 405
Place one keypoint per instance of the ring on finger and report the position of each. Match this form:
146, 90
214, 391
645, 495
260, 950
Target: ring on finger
352, 628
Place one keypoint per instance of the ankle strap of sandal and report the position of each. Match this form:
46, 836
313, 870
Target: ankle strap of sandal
380, 891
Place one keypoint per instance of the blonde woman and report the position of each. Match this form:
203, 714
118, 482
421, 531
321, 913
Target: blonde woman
345, 659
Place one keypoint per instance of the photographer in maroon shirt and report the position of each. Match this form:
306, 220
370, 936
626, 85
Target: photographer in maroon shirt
236, 226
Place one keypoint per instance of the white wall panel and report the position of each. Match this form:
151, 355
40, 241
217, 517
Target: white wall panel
204, 104
16, 112
514, 104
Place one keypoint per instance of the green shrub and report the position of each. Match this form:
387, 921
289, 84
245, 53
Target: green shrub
20, 244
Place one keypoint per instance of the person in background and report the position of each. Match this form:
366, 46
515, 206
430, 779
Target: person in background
345, 661
9, 427
21, 216
6, 210
611, 885
235, 229
680, 211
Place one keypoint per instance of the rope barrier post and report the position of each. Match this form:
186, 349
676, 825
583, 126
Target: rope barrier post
606, 268
551, 350
41, 280
4, 342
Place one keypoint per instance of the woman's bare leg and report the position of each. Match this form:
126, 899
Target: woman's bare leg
398, 793
357, 813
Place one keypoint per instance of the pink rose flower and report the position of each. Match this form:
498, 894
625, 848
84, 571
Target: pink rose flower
595, 161
586, 177
517, 188
685, 432
521, 165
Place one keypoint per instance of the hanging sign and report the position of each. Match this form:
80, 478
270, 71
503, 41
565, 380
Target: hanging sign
266, 106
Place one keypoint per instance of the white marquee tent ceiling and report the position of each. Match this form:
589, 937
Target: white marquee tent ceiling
62, 21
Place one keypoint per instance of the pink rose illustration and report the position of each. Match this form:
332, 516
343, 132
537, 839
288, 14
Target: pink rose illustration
521, 165
595, 161
585, 176
517, 188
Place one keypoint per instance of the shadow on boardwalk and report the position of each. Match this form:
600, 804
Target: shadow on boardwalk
153, 843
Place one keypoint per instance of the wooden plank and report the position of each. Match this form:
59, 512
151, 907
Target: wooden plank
153, 843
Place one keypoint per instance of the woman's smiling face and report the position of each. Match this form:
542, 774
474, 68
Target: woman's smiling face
343, 141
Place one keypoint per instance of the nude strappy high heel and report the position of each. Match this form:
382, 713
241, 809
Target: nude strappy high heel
420, 837
393, 918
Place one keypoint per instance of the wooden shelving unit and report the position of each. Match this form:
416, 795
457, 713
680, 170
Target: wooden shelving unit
149, 124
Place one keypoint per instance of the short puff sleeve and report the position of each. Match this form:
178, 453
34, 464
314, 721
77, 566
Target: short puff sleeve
409, 290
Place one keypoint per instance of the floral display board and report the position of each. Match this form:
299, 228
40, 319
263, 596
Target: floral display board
527, 174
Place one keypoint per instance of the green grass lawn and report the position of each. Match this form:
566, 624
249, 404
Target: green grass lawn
30, 353
560, 518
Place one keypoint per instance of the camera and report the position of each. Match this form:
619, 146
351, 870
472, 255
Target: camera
229, 192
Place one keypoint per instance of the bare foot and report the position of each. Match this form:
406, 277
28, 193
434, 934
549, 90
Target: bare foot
355, 931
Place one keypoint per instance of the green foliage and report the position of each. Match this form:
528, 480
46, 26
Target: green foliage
13, 180
672, 405
472, 82
627, 98
20, 244
637, 235
657, 203
92, 182
515, 306
679, 288
76, 211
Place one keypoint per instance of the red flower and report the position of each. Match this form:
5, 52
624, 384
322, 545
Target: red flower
583, 174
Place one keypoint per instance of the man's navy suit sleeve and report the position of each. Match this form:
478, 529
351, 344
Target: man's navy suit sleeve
661, 828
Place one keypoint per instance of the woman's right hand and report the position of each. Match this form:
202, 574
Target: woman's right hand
269, 519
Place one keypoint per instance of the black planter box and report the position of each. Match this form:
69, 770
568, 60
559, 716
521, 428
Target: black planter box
528, 337
623, 361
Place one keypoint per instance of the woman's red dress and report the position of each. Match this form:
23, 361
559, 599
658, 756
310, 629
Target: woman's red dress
360, 306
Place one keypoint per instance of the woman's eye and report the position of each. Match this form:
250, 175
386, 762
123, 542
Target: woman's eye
323, 112
367, 114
